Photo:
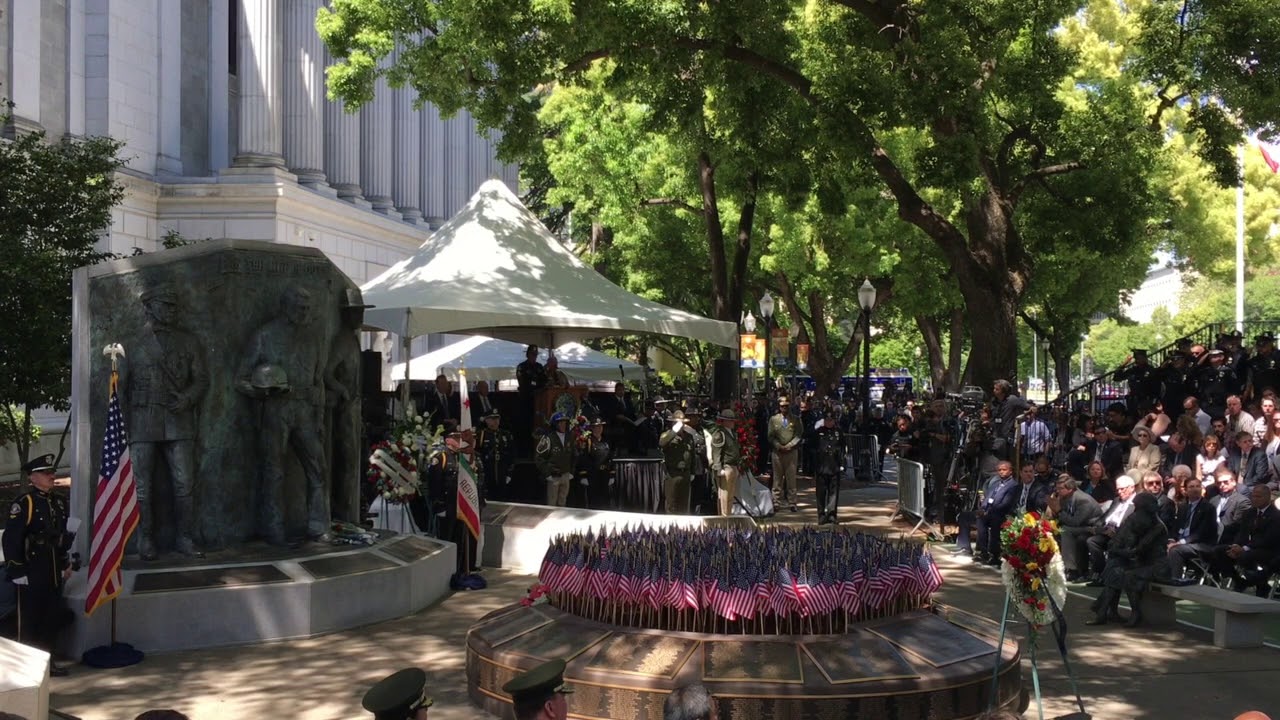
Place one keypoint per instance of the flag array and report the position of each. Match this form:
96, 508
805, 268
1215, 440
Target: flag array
729, 578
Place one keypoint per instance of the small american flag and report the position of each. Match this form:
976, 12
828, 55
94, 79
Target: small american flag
115, 511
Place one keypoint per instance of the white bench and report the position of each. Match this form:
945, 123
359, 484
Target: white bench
1237, 617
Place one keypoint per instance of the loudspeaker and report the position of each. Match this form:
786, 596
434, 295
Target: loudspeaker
724, 379
370, 372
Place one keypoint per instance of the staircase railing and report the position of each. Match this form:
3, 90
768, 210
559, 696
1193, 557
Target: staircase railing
1104, 389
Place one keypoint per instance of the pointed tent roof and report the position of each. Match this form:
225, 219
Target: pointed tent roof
494, 269
488, 359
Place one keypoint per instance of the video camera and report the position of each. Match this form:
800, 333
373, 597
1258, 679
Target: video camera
969, 400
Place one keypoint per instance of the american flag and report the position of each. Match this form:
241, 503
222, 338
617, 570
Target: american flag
115, 511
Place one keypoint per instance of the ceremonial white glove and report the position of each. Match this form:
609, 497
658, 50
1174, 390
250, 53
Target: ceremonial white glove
507, 481
20, 581
678, 426
584, 482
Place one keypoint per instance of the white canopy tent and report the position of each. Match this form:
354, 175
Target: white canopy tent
494, 360
494, 269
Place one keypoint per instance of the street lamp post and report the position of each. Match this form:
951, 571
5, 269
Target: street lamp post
766, 312
1044, 345
866, 300
749, 324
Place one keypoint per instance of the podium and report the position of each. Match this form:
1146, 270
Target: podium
551, 400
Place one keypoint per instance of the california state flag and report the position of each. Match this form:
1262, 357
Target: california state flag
468, 496
1270, 155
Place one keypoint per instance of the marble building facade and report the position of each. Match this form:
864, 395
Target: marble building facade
227, 131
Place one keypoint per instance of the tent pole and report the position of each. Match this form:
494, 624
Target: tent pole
405, 395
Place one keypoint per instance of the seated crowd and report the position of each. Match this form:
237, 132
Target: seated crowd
1177, 485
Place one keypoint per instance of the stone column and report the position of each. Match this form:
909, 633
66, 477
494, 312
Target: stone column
406, 187
375, 148
342, 151
219, 90
457, 182
259, 74
432, 166
75, 67
169, 86
304, 94
23, 86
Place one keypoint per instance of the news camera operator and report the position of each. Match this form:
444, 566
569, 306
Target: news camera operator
1007, 409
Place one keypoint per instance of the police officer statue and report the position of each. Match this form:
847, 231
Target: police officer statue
37, 544
830, 452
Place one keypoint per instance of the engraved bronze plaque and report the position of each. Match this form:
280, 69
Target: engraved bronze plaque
972, 623
208, 578
591, 700
858, 658
752, 660
554, 640
494, 513
329, 567
525, 517
933, 639
512, 626
646, 655
412, 548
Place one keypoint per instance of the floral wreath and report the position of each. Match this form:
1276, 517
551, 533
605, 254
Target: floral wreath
1032, 568
393, 472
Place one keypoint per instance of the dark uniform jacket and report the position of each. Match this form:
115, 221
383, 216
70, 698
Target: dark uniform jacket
36, 542
830, 451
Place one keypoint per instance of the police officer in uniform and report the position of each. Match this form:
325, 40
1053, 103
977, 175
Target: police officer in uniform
37, 561
531, 378
702, 495
495, 447
783, 435
402, 695
594, 463
1263, 367
726, 459
1179, 381
1215, 382
678, 458
830, 451
539, 694
1144, 382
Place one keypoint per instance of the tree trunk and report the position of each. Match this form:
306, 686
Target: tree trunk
943, 373
1062, 356
994, 351
955, 350
720, 306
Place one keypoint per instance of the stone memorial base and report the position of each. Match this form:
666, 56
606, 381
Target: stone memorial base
261, 593
516, 536
934, 665
24, 680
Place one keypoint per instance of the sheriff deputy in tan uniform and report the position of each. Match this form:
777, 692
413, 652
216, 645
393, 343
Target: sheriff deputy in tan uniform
556, 456
678, 454
784, 430
726, 456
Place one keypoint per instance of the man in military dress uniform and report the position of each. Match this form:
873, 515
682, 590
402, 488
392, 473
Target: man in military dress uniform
36, 547
1144, 382
678, 460
555, 457
539, 694
495, 447
165, 379
726, 458
830, 468
1263, 367
403, 695
784, 441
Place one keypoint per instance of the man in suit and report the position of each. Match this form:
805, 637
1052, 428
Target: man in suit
1250, 464
1107, 448
1229, 506
1196, 533
1255, 545
1077, 514
988, 518
1177, 452
481, 403
1029, 496
442, 402
1115, 514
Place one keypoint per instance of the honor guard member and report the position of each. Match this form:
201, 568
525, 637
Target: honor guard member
555, 457
725, 458
830, 468
1179, 381
399, 696
1263, 367
701, 493
539, 694
1144, 381
495, 447
599, 456
784, 441
678, 459
442, 488
531, 376
36, 547
1215, 383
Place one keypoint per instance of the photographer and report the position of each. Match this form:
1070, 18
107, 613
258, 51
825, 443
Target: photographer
1007, 409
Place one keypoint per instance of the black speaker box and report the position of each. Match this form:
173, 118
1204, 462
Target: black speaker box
724, 379
370, 372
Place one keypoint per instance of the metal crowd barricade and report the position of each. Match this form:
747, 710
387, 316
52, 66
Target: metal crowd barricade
864, 457
911, 494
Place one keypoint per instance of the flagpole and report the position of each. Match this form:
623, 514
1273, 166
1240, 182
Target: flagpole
1240, 244
407, 340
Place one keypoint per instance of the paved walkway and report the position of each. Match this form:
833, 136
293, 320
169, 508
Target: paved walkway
1124, 674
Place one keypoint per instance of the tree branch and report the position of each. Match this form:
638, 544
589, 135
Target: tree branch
672, 202
1038, 175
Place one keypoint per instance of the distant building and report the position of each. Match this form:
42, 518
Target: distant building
1162, 288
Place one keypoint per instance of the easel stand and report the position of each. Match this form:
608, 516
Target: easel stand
1059, 633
